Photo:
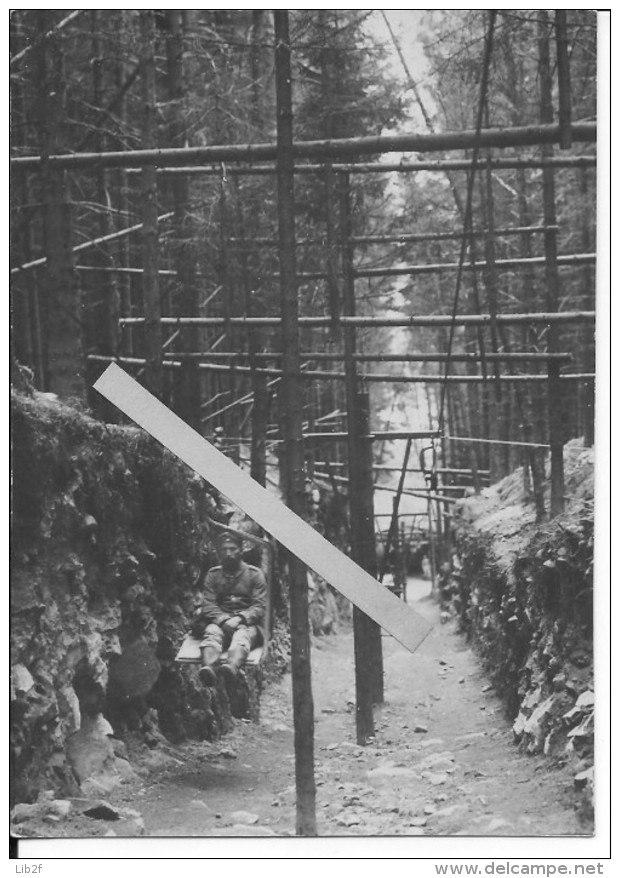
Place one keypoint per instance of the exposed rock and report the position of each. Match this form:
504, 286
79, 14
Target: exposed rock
524, 598
244, 817
23, 811
584, 778
436, 779
438, 761
102, 811
90, 751
61, 808
135, 671
21, 680
433, 742
346, 819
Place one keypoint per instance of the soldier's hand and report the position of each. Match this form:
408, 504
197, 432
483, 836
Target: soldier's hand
232, 624
197, 628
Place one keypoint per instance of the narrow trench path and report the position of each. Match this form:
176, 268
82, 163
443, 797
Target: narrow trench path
443, 762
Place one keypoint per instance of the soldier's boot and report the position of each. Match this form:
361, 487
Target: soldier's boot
209, 656
229, 668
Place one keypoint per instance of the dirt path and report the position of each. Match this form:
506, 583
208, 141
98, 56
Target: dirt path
443, 762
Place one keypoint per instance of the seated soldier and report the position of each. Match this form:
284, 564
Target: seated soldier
232, 611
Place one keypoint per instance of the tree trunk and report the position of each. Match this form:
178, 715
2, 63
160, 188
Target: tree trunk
150, 238
61, 307
589, 291
552, 281
186, 300
367, 634
292, 398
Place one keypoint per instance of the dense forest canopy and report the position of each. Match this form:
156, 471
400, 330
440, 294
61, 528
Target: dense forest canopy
205, 239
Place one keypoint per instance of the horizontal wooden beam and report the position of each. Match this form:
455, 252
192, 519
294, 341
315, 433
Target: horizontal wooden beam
443, 165
509, 357
378, 435
502, 138
315, 375
95, 242
425, 494
373, 322
404, 515
397, 469
344, 480
565, 260
401, 239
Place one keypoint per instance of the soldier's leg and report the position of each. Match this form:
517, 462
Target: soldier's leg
242, 641
210, 650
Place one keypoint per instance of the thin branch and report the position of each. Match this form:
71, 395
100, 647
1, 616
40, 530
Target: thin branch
42, 37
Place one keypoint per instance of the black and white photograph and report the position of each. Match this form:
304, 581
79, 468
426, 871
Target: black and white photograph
307, 328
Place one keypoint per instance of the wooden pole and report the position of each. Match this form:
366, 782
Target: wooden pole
532, 135
412, 320
577, 161
150, 244
503, 356
366, 633
552, 281
260, 392
186, 299
393, 529
62, 341
109, 331
260, 386
292, 398
569, 260
587, 337
564, 86
413, 238
324, 375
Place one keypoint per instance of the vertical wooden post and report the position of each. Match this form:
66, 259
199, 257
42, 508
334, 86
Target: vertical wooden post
258, 381
392, 534
564, 87
126, 339
366, 632
498, 419
24, 302
61, 311
292, 398
432, 547
552, 280
150, 242
186, 299
260, 389
589, 301
111, 298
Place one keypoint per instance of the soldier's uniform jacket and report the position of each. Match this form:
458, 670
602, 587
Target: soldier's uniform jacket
243, 593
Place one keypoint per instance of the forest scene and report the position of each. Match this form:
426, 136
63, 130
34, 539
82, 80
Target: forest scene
354, 251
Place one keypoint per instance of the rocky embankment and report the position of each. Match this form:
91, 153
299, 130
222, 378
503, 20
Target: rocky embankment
524, 596
110, 534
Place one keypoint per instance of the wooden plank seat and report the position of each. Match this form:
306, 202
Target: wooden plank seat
189, 652
243, 701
